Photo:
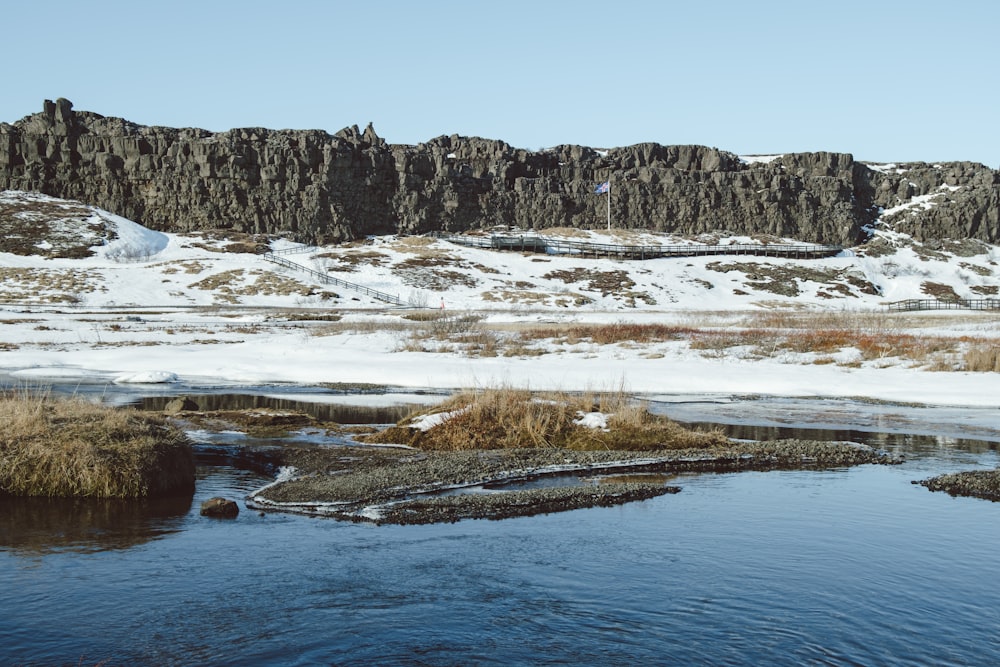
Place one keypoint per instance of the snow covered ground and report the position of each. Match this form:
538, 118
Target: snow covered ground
145, 307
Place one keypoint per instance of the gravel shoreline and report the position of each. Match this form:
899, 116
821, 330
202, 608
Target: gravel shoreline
406, 486
983, 484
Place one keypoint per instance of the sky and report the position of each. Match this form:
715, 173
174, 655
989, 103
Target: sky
887, 81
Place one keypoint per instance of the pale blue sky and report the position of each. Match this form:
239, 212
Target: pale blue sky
884, 80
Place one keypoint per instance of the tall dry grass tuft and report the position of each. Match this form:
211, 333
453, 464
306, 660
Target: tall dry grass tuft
609, 334
983, 358
509, 418
70, 447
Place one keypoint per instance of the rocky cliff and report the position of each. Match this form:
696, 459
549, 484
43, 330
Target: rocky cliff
313, 186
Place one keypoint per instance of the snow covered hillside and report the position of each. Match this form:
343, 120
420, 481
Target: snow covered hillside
65, 253
88, 295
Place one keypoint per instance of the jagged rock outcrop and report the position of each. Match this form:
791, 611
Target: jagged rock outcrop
955, 200
313, 186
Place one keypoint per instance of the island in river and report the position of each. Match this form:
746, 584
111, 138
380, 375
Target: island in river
406, 486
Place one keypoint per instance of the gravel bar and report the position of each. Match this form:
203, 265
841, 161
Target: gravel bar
974, 484
406, 486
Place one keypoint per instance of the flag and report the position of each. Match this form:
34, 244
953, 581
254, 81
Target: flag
602, 188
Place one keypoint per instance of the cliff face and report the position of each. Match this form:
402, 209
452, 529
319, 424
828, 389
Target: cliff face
318, 187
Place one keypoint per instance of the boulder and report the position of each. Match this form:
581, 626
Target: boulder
180, 404
221, 508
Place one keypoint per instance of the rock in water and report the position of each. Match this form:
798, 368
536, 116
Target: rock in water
221, 508
180, 404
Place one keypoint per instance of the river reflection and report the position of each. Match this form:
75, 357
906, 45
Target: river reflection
330, 411
912, 444
42, 525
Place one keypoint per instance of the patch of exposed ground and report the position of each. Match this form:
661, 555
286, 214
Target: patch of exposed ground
978, 269
785, 279
436, 272
609, 283
959, 247
69, 228
228, 241
349, 261
877, 246
533, 298
19, 285
605, 282
939, 291
565, 232
230, 285
189, 267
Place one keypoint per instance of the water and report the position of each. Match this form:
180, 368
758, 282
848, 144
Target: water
842, 567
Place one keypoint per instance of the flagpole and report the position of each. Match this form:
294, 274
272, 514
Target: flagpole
609, 202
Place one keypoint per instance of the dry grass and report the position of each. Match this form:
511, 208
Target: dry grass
446, 331
939, 291
190, 267
69, 228
532, 298
366, 326
507, 418
426, 272
21, 285
350, 261
870, 346
610, 334
982, 357
566, 232
412, 243
71, 447
229, 285
605, 282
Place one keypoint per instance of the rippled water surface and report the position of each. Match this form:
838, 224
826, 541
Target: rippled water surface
843, 567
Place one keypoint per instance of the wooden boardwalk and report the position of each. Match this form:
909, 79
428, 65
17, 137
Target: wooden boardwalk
544, 244
939, 304
277, 258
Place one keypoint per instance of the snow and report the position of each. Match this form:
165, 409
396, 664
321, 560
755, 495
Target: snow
134, 240
429, 421
146, 377
760, 159
151, 308
886, 168
920, 202
595, 420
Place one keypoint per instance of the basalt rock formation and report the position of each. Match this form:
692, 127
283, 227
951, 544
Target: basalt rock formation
316, 187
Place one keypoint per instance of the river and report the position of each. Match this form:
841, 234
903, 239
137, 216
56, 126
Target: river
842, 567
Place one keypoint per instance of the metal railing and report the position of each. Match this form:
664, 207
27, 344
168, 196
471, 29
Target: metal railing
330, 280
296, 250
535, 243
942, 304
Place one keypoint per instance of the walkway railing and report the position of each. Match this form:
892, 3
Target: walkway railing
296, 250
535, 243
951, 304
330, 280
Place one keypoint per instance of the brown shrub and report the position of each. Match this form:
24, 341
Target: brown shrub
609, 334
982, 358
72, 447
507, 418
